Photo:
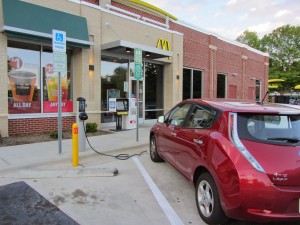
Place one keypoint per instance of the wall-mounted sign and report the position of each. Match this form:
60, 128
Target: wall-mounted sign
163, 44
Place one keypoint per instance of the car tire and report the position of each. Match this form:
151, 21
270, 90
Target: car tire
208, 201
153, 150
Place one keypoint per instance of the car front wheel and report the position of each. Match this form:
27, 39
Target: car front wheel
208, 202
153, 150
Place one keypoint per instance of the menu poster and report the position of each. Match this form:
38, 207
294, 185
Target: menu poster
23, 95
51, 101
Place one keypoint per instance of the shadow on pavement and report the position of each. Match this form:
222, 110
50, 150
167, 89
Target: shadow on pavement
20, 204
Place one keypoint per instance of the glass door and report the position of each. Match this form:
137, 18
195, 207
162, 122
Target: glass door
139, 96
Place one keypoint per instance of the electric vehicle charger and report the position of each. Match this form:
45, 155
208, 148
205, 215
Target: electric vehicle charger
119, 156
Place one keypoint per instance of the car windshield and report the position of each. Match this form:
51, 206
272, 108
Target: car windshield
274, 129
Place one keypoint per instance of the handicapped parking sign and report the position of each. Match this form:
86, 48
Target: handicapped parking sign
58, 41
59, 37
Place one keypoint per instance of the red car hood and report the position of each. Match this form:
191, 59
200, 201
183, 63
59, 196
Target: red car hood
281, 163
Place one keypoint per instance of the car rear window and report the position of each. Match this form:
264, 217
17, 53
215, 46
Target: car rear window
273, 129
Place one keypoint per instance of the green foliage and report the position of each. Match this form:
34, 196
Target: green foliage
91, 127
283, 46
250, 38
54, 135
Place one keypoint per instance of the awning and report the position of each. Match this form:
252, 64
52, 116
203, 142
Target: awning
119, 47
31, 21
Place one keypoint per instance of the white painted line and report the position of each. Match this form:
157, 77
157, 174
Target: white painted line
162, 201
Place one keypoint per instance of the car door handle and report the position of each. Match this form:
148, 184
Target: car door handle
173, 133
198, 141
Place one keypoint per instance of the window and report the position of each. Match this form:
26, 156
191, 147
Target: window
201, 117
277, 129
32, 83
154, 101
113, 76
50, 83
192, 84
221, 86
197, 84
258, 90
177, 115
187, 76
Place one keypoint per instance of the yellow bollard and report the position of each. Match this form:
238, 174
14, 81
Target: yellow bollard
75, 144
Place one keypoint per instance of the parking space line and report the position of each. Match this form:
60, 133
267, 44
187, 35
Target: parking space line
162, 201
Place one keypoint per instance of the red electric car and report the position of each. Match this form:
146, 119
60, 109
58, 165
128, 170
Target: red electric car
242, 157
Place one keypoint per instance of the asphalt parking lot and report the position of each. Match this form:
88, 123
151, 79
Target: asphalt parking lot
142, 192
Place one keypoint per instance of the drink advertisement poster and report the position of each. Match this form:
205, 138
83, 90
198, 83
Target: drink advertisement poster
23, 86
51, 96
28, 91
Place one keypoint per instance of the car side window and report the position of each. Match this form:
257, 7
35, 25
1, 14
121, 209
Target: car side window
201, 118
177, 115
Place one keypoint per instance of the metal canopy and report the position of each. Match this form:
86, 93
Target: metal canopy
119, 47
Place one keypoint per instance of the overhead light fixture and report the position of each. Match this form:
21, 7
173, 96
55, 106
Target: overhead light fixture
147, 54
128, 50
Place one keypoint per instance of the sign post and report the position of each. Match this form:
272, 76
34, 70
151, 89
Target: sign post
138, 64
59, 65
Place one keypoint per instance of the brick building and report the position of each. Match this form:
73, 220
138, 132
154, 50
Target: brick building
179, 61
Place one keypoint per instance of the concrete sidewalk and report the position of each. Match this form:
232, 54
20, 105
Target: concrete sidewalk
31, 155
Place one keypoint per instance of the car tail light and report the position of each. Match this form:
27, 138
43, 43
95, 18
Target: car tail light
233, 134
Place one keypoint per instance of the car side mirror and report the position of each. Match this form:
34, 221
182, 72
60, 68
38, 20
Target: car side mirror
161, 119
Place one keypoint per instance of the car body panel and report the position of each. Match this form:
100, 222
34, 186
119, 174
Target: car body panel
164, 142
283, 168
188, 148
245, 193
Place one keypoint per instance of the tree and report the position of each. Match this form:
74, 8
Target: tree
283, 46
250, 38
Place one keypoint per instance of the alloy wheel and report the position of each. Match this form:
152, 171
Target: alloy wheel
205, 198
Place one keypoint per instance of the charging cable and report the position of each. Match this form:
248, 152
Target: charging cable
119, 156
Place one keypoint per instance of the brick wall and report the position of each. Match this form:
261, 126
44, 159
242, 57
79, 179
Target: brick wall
139, 12
38, 125
95, 2
228, 58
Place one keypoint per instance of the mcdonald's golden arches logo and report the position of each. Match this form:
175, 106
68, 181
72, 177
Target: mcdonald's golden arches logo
163, 44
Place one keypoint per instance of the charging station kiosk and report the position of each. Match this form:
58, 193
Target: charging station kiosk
125, 110
81, 116
129, 121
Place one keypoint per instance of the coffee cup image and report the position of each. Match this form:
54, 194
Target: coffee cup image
22, 85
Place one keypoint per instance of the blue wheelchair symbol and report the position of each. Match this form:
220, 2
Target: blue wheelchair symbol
59, 37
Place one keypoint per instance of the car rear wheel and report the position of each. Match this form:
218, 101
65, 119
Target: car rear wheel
153, 150
208, 202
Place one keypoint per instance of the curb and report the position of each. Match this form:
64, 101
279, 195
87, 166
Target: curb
62, 159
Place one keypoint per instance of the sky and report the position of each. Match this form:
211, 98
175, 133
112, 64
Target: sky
230, 18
